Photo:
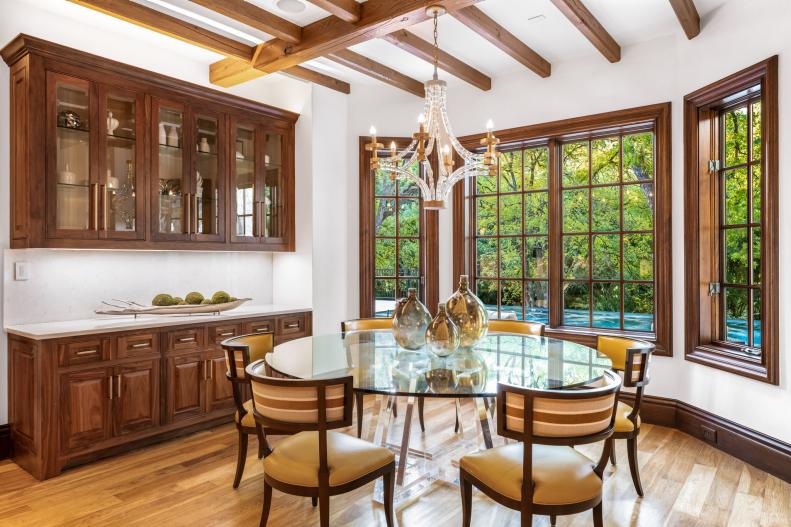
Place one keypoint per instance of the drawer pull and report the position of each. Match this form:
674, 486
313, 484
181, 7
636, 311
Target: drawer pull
227, 334
262, 329
118, 387
292, 325
87, 352
185, 339
140, 345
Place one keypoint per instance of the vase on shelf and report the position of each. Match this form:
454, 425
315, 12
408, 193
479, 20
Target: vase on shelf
442, 335
468, 313
173, 136
410, 321
204, 146
163, 134
112, 123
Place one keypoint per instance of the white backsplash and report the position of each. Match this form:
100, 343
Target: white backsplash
70, 284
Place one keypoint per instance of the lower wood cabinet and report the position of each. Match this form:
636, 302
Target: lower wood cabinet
79, 398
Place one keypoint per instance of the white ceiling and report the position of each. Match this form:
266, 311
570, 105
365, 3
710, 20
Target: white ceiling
537, 23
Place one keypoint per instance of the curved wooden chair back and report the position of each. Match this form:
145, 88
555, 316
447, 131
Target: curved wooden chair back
521, 327
616, 349
365, 324
240, 352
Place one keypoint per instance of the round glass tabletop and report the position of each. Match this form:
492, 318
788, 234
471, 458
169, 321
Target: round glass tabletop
378, 365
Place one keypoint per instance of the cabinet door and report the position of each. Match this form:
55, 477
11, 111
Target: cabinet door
185, 386
274, 198
219, 391
121, 162
136, 388
72, 180
85, 401
209, 175
247, 168
170, 162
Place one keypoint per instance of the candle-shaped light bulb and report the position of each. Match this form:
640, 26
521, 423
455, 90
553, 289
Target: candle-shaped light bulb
421, 118
372, 131
489, 125
392, 146
446, 150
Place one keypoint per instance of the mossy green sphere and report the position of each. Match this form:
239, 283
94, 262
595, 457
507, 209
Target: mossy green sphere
233, 299
178, 300
206, 301
163, 299
194, 298
220, 297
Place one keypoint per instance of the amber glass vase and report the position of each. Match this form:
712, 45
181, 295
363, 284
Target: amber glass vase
468, 313
410, 321
442, 335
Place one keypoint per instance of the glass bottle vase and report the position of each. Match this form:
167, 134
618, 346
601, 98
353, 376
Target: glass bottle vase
410, 321
442, 335
468, 313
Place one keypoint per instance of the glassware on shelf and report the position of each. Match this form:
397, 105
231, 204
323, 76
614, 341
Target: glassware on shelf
72, 147
207, 176
245, 182
170, 169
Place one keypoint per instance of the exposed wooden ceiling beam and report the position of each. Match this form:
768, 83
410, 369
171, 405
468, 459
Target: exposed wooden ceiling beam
305, 74
377, 18
173, 27
688, 16
479, 22
425, 50
378, 71
230, 72
253, 16
347, 10
587, 24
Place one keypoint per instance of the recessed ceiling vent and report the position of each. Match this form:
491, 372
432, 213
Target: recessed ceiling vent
290, 6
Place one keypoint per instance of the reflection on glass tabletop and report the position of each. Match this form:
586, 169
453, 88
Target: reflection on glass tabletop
378, 365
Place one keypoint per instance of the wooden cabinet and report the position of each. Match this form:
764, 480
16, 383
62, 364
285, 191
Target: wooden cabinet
86, 398
106, 155
136, 396
185, 380
219, 390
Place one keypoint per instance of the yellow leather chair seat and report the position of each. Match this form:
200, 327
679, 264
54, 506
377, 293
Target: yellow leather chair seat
295, 459
622, 424
248, 420
561, 475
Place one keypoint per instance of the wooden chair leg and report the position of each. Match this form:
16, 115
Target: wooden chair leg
598, 520
324, 509
612, 454
631, 449
267, 503
358, 400
314, 500
466, 501
240, 460
420, 401
388, 482
458, 423
395, 407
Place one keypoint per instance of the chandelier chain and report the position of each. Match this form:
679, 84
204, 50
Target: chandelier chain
436, 43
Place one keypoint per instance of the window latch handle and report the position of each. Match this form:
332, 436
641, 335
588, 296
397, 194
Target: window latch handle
714, 288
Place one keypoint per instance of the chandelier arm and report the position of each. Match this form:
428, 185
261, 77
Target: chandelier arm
425, 191
457, 176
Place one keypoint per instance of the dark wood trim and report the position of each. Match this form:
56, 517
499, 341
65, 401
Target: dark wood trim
687, 16
751, 446
700, 342
5, 441
619, 121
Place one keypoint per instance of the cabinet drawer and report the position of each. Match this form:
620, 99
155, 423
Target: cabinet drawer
184, 339
291, 326
83, 351
260, 326
219, 333
137, 344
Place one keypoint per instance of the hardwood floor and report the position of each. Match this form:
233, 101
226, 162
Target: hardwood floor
188, 482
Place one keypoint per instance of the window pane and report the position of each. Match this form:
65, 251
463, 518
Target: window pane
384, 185
638, 207
638, 157
736, 136
511, 214
606, 203
486, 184
575, 257
486, 216
736, 196
736, 255
384, 217
638, 307
384, 294
487, 292
756, 130
511, 257
486, 253
756, 317
575, 164
736, 315
536, 219
408, 217
536, 172
607, 257
536, 303
576, 308
756, 264
408, 257
756, 193
536, 257
385, 257
575, 210
511, 300
405, 284
407, 188
638, 257
511, 171
607, 305
605, 160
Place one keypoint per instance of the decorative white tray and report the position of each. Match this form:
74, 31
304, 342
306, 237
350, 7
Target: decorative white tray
133, 308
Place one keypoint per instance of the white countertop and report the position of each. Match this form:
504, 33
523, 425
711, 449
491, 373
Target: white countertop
110, 323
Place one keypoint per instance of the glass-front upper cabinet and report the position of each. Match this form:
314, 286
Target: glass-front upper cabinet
247, 167
207, 185
272, 214
170, 193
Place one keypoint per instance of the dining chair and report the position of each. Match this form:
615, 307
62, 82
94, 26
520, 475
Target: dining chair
316, 461
239, 353
631, 357
544, 474
522, 327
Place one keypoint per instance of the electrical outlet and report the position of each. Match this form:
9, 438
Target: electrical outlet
709, 434
21, 271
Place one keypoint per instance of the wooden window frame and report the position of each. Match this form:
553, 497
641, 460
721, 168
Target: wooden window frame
429, 229
658, 116
701, 211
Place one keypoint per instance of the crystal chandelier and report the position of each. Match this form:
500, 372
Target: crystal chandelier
435, 132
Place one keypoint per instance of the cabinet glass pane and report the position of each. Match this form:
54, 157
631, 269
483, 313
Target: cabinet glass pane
207, 176
273, 189
120, 162
170, 162
244, 183
72, 144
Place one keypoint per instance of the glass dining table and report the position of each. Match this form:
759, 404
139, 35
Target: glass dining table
380, 367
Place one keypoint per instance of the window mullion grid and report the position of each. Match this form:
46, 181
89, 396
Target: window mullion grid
590, 236
523, 271
622, 288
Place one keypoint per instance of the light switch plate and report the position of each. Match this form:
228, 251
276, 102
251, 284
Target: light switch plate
21, 271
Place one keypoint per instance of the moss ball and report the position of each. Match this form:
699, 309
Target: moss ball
206, 301
178, 300
220, 297
194, 298
163, 299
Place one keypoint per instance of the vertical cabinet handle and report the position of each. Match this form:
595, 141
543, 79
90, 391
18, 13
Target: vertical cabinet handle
209, 370
118, 386
95, 206
195, 213
187, 215
103, 192
256, 229
110, 387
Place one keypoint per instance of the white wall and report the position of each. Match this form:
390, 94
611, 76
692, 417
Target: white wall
735, 36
